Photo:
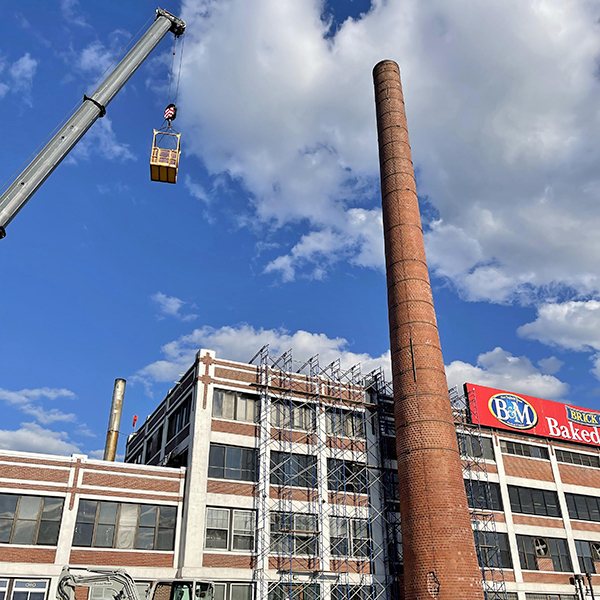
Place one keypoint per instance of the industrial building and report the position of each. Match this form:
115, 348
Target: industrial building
277, 479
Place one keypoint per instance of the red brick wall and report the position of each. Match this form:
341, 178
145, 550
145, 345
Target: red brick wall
298, 564
27, 555
536, 577
33, 473
107, 480
585, 526
233, 561
576, 475
350, 566
300, 494
214, 486
121, 559
234, 427
517, 466
537, 521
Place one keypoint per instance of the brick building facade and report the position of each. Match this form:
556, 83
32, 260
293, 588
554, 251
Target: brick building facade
280, 477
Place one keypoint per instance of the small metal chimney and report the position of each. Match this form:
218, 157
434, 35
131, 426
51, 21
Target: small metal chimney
112, 435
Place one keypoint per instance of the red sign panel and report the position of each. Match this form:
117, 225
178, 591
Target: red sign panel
517, 412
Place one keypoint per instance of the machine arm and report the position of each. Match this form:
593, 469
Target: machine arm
116, 578
38, 170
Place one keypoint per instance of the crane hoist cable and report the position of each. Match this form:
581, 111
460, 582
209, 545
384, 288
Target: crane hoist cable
166, 143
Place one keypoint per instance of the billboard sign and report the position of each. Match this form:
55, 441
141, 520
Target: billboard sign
517, 412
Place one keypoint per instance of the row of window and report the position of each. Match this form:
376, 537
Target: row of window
35, 520
529, 501
237, 406
290, 533
298, 470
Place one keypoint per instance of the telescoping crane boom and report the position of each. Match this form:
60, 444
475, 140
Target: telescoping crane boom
94, 107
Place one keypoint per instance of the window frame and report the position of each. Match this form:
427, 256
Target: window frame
290, 471
357, 546
489, 501
355, 479
293, 415
527, 553
576, 512
247, 474
526, 450
119, 527
237, 397
526, 501
231, 531
293, 539
344, 423
490, 552
179, 418
39, 520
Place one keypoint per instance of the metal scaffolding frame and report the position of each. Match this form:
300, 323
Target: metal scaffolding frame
482, 517
332, 472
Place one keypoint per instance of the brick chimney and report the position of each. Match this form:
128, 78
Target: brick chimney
437, 540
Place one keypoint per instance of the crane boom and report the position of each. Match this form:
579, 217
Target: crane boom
94, 107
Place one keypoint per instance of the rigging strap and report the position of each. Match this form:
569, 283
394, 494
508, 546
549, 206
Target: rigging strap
102, 108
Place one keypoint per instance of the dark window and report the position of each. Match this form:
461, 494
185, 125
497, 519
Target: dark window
547, 597
230, 529
575, 458
30, 519
294, 591
493, 549
483, 495
533, 502
346, 423
351, 592
288, 415
154, 444
475, 446
179, 418
233, 591
518, 449
294, 533
584, 508
293, 469
232, 462
349, 537
346, 476
588, 554
117, 525
235, 406
532, 548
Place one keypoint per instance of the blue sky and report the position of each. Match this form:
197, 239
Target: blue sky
273, 233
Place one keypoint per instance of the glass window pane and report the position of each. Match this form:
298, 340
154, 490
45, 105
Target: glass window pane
87, 511
83, 534
145, 538
148, 515
241, 591
24, 532
243, 520
8, 505
48, 533
243, 542
29, 508
125, 537
52, 510
220, 591
216, 538
108, 513
167, 517
5, 530
217, 408
165, 539
228, 405
104, 536
217, 518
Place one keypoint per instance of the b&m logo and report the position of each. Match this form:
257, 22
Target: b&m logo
513, 411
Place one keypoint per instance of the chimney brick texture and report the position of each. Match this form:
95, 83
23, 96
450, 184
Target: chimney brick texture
437, 539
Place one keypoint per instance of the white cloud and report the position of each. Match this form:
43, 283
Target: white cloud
100, 139
33, 438
500, 369
550, 365
502, 107
171, 306
71, 14
241, 343
19, 78
572, 325
95, 57
22, 400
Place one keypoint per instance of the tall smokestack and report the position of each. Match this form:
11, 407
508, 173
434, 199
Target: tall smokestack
437, 539
116, 408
